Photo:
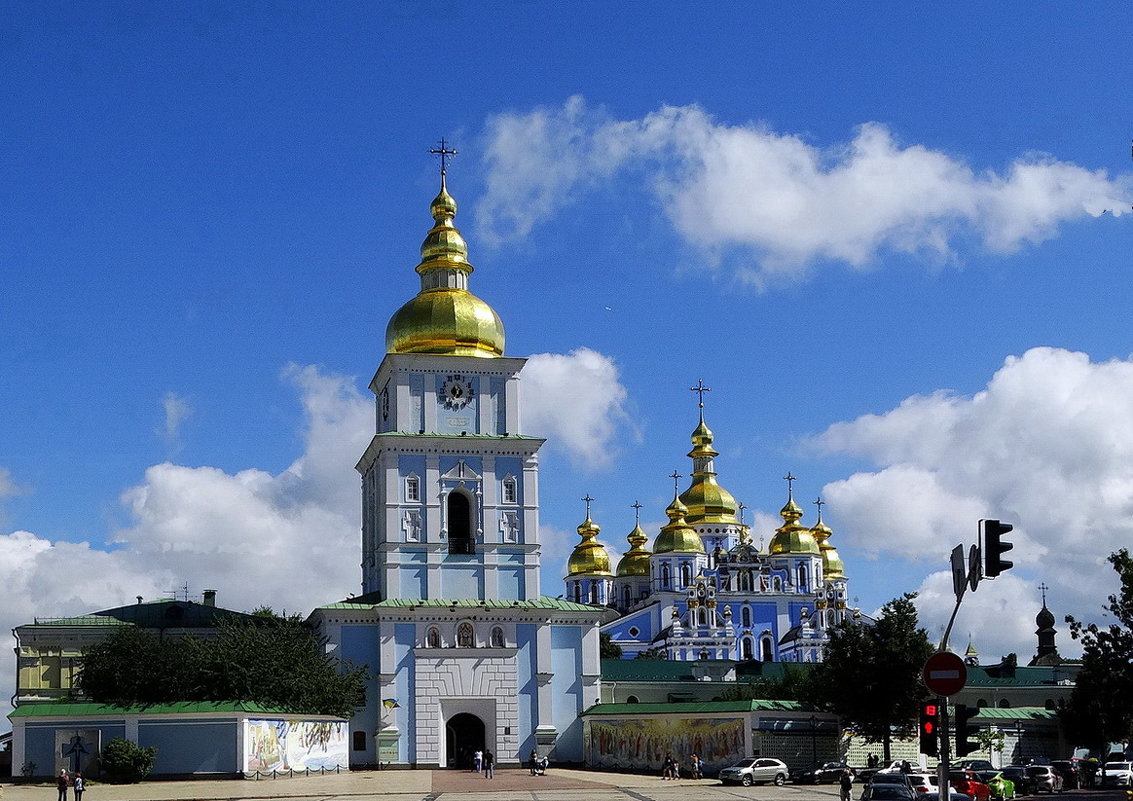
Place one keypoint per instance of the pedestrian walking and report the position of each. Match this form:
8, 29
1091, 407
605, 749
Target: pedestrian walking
77, 786
533, 758
62, 783
846, 784
667, 768
477, 760
489, 764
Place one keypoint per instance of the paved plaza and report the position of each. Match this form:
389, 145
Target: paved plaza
438, 785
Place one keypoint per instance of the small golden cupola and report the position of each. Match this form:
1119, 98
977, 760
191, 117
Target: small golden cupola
445, 317
706, 500
635, 561
832, 566
677, 536
589, 556
792, 537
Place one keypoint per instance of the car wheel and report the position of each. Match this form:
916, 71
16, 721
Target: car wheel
746, 780
780, 779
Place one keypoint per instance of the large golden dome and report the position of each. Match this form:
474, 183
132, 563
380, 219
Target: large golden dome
677, 535
445, 317
589, 556
706, 500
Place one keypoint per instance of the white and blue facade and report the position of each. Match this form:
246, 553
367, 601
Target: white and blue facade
463, 650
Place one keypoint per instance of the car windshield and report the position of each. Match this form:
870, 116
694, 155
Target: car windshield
888, 791
1117, 766
744, 763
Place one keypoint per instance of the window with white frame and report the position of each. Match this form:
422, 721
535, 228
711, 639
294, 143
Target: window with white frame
412, 489
510, 490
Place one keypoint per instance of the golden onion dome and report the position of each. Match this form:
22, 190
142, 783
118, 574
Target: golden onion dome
832, 565
677, 536
589, 556
444, 317
635, 562
706, 500
792, 537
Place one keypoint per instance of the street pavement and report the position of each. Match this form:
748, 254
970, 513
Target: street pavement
445, 785
438, 785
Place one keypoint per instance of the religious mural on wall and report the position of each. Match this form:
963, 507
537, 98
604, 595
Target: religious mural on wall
295, 745
643, 744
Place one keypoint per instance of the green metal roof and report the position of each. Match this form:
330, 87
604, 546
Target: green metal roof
542, 602
688, 708
1016, 713
79, 709
997, 676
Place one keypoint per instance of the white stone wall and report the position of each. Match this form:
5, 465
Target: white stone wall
485, 686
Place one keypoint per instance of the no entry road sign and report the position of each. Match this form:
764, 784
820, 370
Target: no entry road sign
945, 673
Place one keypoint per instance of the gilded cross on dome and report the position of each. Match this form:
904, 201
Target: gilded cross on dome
700, 389
588, 499
445, 152
676, 477
636, 512
819, 503
790, 479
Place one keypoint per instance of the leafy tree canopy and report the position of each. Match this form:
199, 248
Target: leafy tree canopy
871, 673
607, 648
273, 661
1100, 708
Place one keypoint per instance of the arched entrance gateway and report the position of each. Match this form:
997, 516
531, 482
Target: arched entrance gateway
464, 734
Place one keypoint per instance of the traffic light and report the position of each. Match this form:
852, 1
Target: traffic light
964, 731
930, 728
994, 546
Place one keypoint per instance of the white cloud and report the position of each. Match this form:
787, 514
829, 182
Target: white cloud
578, 402
781, 202
177, 411
1048, 446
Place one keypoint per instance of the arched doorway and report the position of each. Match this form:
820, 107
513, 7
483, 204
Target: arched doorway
464, 734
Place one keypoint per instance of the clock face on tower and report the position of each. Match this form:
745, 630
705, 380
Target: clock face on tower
456, 392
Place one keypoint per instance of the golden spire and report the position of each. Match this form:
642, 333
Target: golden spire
445, 317
589, 556
706, 500
792, 536
635, 562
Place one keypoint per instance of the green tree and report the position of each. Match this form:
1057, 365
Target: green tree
1100, 708
125, 762
278, 662
607, 648
871, 673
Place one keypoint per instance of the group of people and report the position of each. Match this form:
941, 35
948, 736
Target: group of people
484, 762
538, 764
67, 781
671, 767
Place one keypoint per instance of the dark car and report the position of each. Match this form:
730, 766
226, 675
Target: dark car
1070, 772
1017, 775
900, 779
826, 773
888, 791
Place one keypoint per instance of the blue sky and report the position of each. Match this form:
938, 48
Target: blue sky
895, 240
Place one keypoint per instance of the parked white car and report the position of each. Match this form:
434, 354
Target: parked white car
756, 770
1117, 774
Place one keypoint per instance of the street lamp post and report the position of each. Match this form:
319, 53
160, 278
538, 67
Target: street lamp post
813, 740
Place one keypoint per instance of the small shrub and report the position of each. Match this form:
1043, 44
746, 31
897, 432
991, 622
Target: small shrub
125, 762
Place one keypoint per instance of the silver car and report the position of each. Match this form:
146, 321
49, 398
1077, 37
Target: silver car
755, 770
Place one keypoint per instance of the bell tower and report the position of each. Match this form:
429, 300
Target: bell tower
450, 484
